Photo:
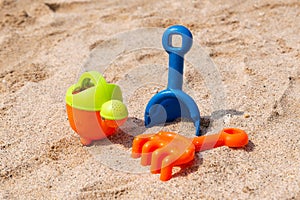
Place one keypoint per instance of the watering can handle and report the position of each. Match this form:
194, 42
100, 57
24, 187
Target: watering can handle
176, 54
93, 76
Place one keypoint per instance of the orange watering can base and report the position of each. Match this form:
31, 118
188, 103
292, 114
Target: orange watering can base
90, 126
165, 150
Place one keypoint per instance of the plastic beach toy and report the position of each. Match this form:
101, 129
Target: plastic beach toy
165, 150
172, 103
95, 109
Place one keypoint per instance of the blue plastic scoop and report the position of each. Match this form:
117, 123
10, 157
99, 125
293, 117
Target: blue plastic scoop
172, 103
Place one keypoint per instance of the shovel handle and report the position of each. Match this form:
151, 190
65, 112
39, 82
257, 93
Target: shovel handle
176, 54
231, 137
187, 40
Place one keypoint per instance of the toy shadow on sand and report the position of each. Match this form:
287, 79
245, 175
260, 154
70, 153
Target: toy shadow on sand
134, 127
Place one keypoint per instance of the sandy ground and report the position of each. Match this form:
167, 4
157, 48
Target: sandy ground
44, 46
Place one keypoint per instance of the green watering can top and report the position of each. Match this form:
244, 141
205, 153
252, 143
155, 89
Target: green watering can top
93, 93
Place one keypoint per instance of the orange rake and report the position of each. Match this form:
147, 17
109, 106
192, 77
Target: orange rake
165, 150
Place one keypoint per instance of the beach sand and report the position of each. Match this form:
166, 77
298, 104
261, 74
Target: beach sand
46, 44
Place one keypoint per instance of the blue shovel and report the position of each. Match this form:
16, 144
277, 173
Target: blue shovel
172, 103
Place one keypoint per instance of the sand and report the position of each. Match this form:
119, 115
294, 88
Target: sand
253, 47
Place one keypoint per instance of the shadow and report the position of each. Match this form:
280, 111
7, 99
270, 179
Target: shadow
190, 167
250, 146
204, 124
134, 126
221, 113
207, 120
126, 133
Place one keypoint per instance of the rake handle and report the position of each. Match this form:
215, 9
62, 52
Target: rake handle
231, 137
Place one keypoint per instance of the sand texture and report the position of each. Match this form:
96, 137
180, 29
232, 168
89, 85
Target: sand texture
254, 47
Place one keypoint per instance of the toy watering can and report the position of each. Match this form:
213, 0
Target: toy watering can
172, 103
94, 107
